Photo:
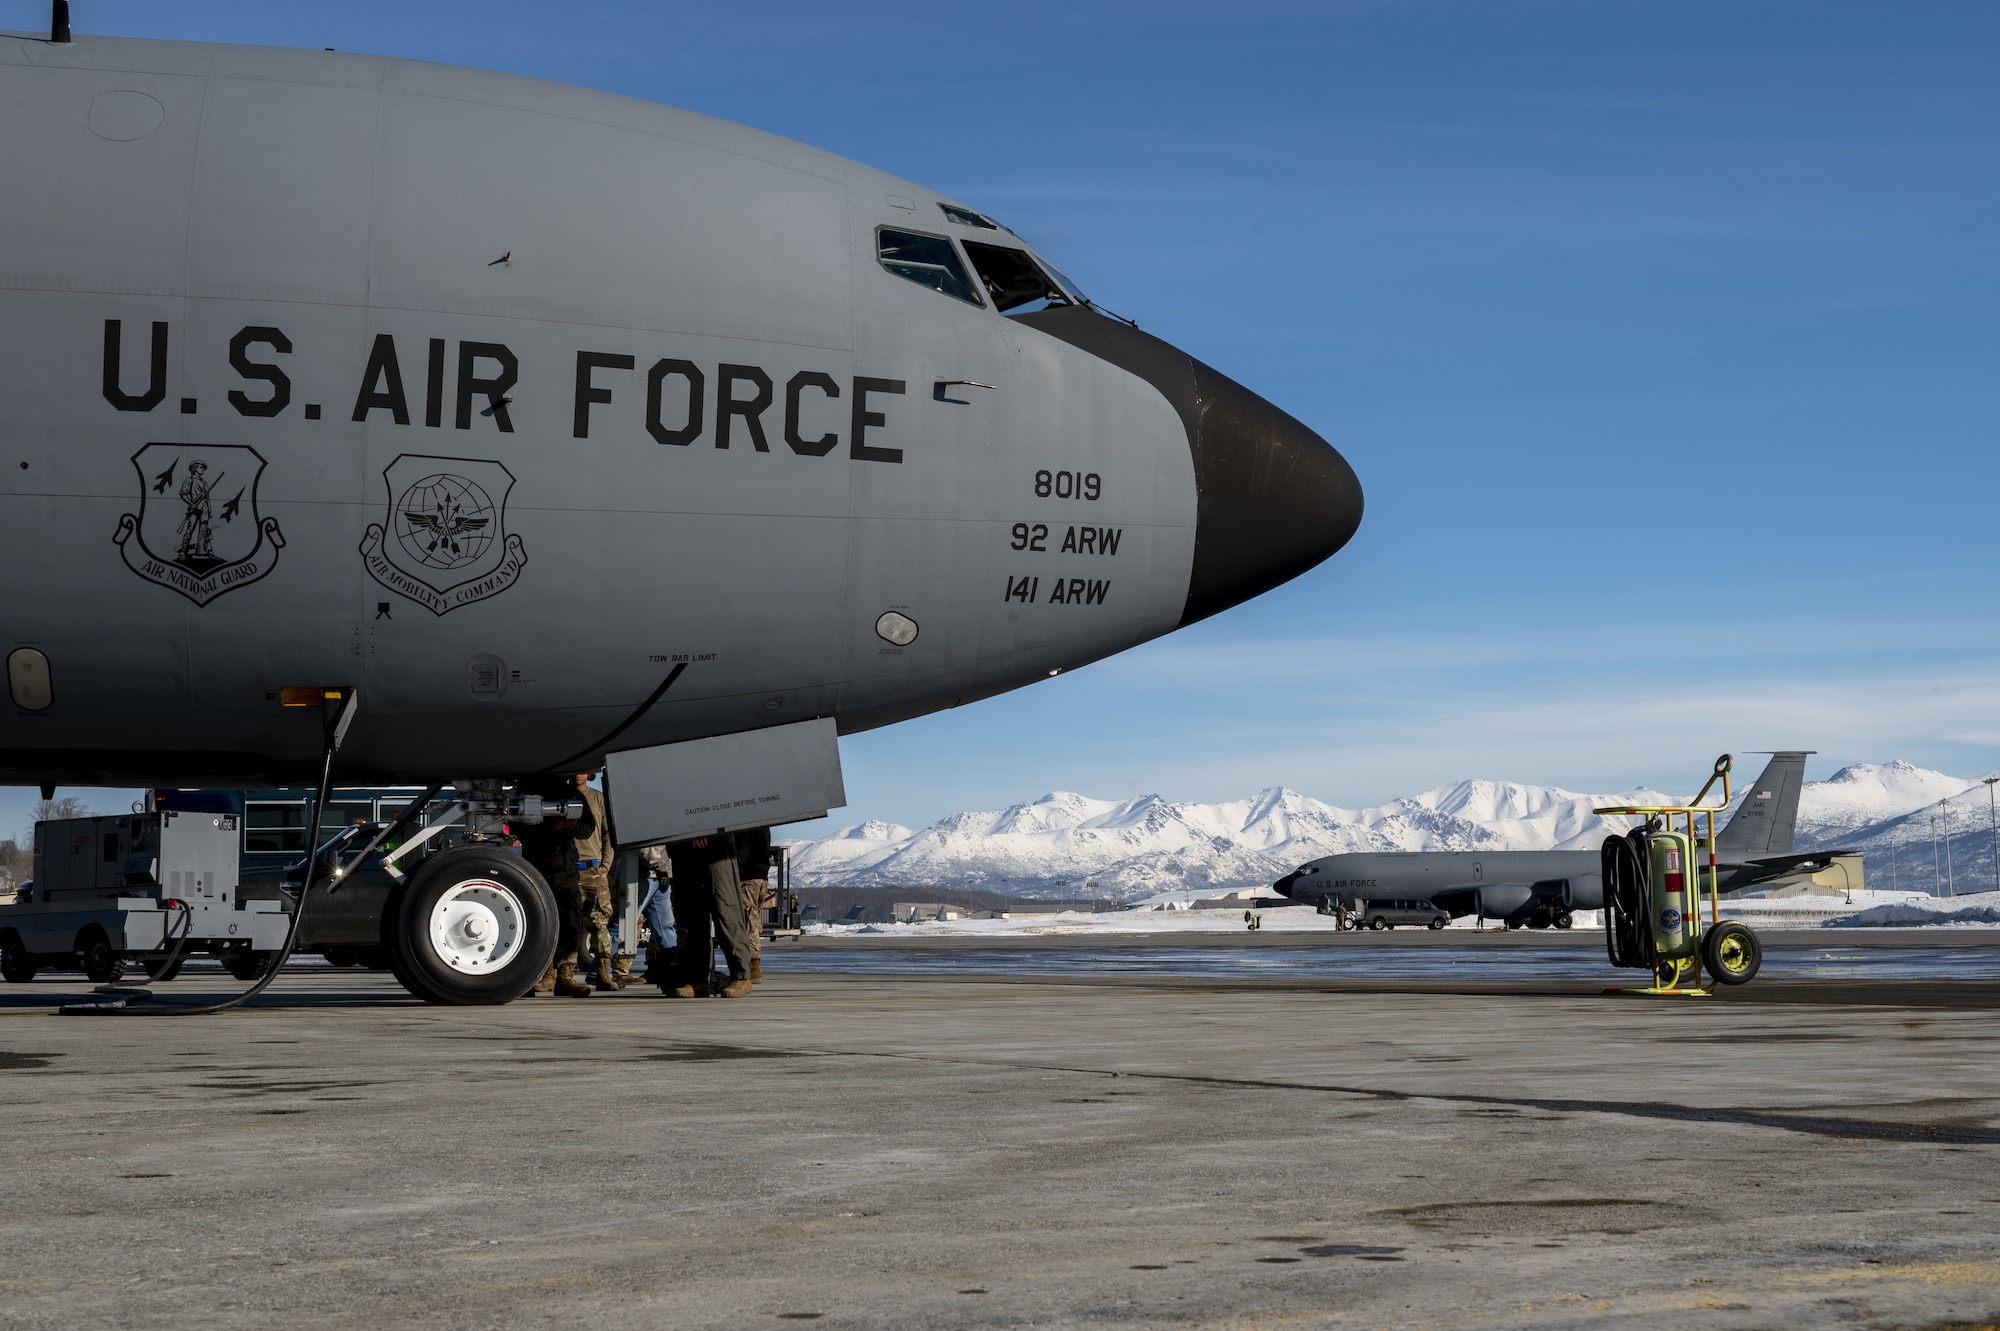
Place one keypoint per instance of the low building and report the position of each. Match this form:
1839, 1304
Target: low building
915, 912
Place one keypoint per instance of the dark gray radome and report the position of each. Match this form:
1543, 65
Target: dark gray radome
1273, 498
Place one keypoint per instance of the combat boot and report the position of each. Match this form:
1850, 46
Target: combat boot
604, 980
567, 983
621, 969
547, 984
737, 987
756, 970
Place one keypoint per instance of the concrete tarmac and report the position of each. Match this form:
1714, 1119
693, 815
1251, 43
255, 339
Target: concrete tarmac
882, 1151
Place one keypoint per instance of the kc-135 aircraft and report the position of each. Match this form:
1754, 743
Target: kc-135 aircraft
1542, 887
533, 423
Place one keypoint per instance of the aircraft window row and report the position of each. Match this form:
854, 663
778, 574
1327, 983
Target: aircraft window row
1011, 278
279, 826
274, 827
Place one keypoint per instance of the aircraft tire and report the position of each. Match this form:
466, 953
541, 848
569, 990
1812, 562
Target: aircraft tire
441, 923
16, 965
1564, 920
1732, 953
398, 966
100, 964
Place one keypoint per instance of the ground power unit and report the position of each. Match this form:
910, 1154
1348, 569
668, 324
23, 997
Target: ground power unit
129, 887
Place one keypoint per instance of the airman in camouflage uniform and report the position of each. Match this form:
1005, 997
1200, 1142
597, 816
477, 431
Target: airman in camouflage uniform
573, 854
594, 850
753, 869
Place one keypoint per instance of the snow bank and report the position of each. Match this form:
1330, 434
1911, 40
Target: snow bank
1977, 909
1165, 924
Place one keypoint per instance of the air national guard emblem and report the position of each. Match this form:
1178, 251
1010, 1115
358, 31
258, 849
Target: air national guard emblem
445, 542
198, 530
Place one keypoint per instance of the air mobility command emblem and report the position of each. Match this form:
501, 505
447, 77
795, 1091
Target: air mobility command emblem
444, 542
197, 529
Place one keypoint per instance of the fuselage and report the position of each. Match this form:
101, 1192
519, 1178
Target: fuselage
500, 399
1496, 884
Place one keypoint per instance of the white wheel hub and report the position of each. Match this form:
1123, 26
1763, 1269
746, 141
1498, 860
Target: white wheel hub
476, 926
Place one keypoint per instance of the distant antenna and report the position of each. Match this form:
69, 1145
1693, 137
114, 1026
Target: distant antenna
59, 22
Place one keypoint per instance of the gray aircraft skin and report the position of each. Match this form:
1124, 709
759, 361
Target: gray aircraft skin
500, 399
1753, 847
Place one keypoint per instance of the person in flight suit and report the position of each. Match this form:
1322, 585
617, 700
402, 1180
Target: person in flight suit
707, 897
753, 867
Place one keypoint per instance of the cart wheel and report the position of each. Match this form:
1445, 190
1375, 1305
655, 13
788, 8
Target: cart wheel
158, 969
1732, 952
472, 925
100, 963
248, 966
1437, 922
16, 965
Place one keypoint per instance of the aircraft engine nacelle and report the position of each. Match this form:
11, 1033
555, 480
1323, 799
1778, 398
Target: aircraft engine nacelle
1584, 891
1504, 901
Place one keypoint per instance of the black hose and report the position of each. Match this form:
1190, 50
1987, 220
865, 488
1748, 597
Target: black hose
1628, 931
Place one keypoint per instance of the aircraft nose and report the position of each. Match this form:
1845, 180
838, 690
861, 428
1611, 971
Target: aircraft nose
1272, 497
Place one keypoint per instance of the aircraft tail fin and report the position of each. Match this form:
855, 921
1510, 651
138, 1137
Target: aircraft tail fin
1764, 821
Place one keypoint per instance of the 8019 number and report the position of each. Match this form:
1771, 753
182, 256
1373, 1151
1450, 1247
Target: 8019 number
1068, 485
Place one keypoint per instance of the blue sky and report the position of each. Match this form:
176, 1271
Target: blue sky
1662, 336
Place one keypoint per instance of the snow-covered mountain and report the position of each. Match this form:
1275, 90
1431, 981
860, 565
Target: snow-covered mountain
1892, 814
1065, 844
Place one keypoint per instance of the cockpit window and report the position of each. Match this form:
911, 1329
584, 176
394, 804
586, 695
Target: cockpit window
966, 217
1012, 279
1074, 291
929, 260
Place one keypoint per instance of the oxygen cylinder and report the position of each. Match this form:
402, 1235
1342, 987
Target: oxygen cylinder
1673, 871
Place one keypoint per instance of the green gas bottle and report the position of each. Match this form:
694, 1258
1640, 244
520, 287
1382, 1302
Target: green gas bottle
1672, 855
